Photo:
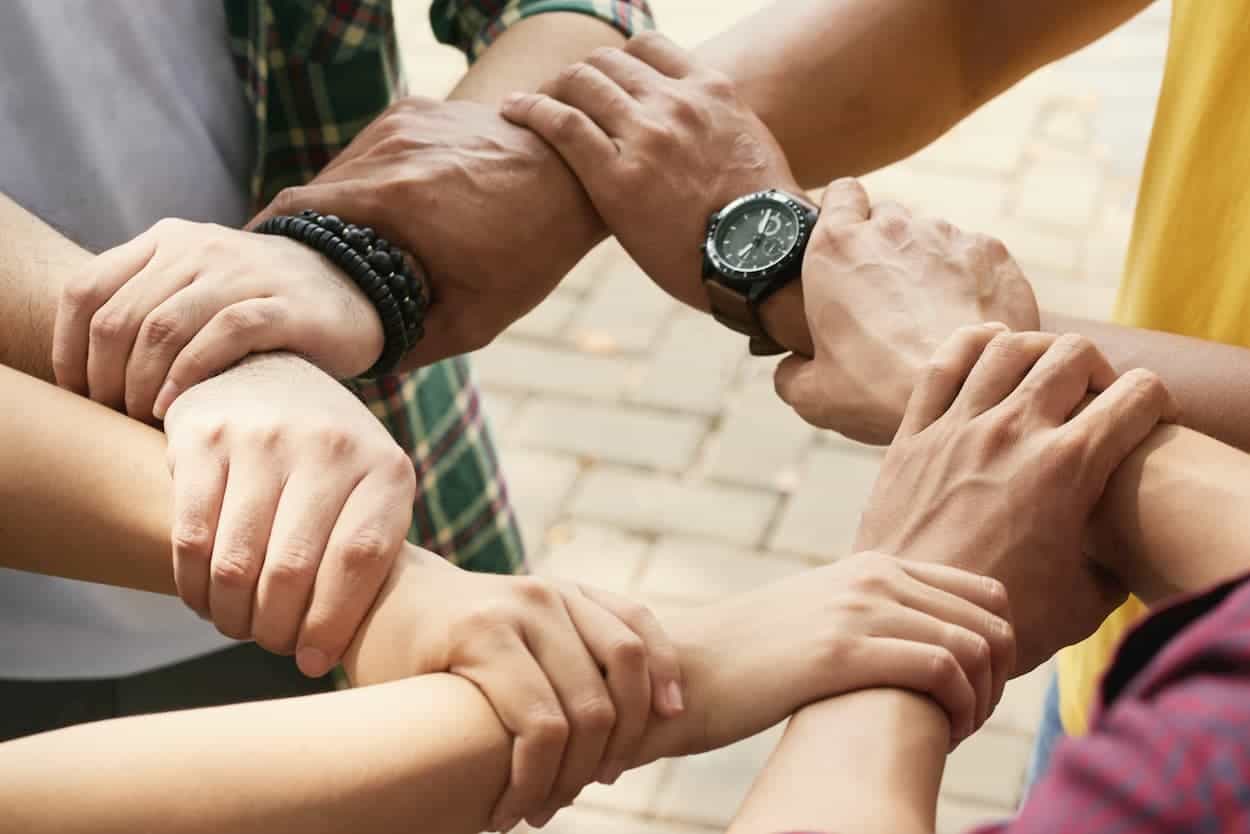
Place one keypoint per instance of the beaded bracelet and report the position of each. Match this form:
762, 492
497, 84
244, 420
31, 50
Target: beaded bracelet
383, 271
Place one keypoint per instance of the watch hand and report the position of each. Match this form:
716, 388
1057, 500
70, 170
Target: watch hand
764, 222
746, 249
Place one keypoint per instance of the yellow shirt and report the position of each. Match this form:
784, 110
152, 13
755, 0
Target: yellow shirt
1188, 267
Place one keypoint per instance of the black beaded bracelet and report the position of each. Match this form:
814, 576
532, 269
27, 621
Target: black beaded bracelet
390, 278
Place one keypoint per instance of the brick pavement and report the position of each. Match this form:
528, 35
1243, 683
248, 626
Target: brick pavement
648, 455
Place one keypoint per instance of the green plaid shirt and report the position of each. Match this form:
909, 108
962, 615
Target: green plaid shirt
315, 73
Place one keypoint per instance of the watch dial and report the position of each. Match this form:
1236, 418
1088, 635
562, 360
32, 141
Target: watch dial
757, 235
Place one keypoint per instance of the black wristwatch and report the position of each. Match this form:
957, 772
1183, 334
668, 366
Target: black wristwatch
754, 247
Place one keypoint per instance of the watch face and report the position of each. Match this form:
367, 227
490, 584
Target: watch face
757, 235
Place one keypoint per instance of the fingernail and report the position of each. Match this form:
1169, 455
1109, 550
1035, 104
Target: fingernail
512, 100
169, 392
997, 325
672, 696
312, 662
509, 825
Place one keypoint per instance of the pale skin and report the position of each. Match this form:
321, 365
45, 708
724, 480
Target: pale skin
372, 745
857, 622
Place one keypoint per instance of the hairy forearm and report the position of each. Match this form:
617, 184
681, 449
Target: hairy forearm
865, 763
35, 262
893, 75
423, 754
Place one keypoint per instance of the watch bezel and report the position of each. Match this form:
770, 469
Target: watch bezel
744, 279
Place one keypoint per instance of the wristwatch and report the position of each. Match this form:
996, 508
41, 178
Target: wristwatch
754, 247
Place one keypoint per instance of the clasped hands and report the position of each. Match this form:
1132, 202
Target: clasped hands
591, 684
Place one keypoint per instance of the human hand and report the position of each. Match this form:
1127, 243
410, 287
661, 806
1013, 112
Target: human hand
659, 145
290, 503
488, 208
573, 672
882, 290
184, 301
996, 469
868, 620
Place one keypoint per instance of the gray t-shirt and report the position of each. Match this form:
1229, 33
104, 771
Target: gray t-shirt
112, 116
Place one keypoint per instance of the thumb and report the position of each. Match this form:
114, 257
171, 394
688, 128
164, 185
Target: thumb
844, 202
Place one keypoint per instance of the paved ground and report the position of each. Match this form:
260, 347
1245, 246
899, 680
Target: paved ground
646, 450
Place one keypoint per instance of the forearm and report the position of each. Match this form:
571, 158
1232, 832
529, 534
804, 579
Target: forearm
1170, 521
426, 753
893, 75
865, 763
1208, 379
532, 51
35, 261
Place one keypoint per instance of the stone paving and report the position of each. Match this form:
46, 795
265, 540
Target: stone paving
647, 453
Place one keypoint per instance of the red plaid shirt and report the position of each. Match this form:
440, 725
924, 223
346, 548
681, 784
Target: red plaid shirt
1169, 746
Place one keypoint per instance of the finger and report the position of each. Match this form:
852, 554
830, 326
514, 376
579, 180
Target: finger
253, 325
1003, 365
585, 87
584, 697
844, 202
1066, 373
1120, 418
307, 509
661, 54
622, 654
580, 142
253, 488
501, 666
921, 666
662, 657
82, 296
115, 326
362, 546
984, 643
199, 477
944, 375
798, 382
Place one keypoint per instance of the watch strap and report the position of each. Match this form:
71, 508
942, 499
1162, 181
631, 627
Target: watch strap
737, 312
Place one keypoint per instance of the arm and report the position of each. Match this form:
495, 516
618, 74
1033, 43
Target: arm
865, 763
428, 751
1207, 378
34, 263
897, 74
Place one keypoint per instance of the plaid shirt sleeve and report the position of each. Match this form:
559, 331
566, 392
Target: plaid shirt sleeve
1169, 750
473, 25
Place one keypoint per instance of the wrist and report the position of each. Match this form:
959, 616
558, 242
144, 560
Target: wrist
382, 647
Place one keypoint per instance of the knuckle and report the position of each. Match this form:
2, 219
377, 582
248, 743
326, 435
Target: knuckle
603, 54
1147, 384
108, 325
596, 714
234, 569
537, 592
893, 227
367, 549
193, 541
241, 319
267, 437
295, 567
548, 729
160, 329
574, 74
486, 616
629, 652
943, 667
656, 137
335, 443
644, 39
718, 85
995, 594
993, 249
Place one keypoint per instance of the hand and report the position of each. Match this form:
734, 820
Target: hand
183, 301
572, 672
290, 503
659, 145
491, 212
882, 290
865, 621
995, 471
